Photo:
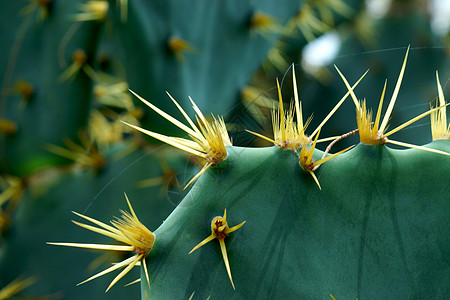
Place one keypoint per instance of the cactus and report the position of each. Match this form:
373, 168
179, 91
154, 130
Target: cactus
365, 201
222, 218
328, 235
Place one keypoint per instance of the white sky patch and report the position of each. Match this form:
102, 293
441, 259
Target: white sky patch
378, 8
440, 11
320, 52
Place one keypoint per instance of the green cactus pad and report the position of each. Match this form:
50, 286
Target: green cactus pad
377, 229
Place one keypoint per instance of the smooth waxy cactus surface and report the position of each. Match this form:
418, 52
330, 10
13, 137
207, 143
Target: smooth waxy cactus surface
378, 228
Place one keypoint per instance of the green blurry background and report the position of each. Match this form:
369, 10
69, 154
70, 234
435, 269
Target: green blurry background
65, 69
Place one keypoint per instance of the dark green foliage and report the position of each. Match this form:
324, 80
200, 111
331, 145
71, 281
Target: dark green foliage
58, 108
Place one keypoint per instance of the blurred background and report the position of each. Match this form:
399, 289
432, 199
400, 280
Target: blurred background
66, 67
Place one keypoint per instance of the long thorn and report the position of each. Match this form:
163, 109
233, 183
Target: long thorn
394, 95
281, 113
225, 259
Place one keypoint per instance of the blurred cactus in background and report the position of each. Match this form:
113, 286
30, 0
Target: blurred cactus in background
367, 222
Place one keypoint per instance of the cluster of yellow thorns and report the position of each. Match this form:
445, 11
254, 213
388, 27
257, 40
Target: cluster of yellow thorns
128, 230
208, 140
290, 134
373, 133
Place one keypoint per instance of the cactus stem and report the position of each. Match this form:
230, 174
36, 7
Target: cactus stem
220, 230
128, 230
